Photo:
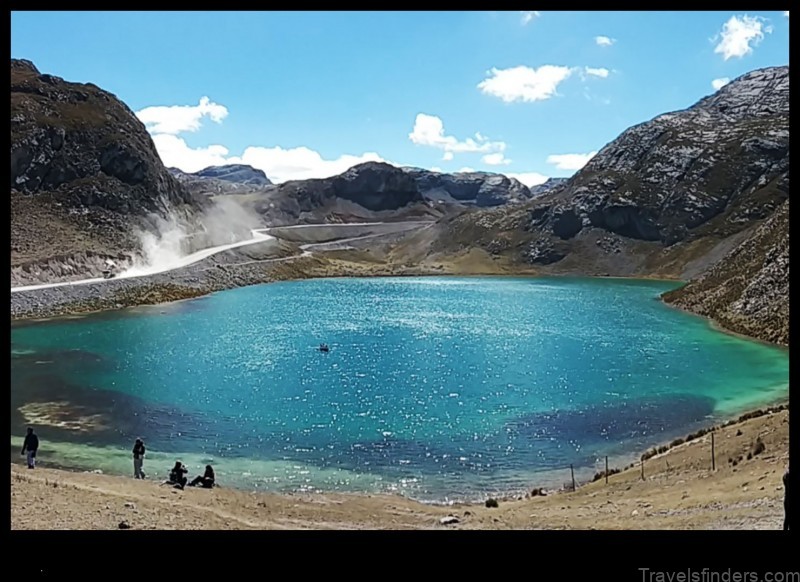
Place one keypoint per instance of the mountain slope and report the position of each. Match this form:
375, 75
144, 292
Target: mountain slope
83, 171
748, 290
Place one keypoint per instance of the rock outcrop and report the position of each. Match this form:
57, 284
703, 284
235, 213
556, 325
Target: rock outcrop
748, 290
482, 189
548, 187
365, 192
221, 180
236, 173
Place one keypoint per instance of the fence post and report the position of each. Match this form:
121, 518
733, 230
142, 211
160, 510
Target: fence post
713, 460
606, 470
641, 462
572, 472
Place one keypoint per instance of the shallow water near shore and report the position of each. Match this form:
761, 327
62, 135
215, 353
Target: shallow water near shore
435, 387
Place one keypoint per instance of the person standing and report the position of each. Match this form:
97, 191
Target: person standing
30, 446
786, 500
138, 459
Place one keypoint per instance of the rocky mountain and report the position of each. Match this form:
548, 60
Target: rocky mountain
237, 174
482, 189
368, 191
220, 180
717, 166
748, 290
669, 197
84, 170
549, 186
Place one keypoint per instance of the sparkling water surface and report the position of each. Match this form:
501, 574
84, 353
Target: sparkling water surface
440, 388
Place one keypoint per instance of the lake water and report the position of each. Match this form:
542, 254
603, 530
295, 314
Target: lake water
439, 388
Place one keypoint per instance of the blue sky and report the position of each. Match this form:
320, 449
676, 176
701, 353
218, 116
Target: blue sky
308, 94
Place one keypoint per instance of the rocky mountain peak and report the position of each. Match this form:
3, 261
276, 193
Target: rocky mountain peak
759, 93
24, 65
236, 173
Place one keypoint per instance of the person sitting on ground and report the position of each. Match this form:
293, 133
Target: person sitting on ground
206, 480
177, 476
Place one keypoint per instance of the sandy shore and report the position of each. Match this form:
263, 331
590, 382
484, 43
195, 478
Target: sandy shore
680, 491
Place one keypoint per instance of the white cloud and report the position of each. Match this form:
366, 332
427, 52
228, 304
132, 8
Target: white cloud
570, 161
300, 163
740, 35
604, 40
447, 156
277, 163
497, 159
176, 153
527, 16
523, 83
720, 83
429, 131
529, 178
466, 170
600, 72
165, 123
177, 119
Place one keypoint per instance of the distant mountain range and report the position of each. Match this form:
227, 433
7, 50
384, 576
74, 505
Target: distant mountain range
360, 192
483, 189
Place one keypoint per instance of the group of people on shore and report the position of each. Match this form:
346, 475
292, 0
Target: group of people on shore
177, 475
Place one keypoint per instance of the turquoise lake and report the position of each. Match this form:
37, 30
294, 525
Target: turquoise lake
439, 388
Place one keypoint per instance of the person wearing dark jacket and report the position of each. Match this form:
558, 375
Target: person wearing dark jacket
30, 446
786, 500
177, 476
138, 459
206, 480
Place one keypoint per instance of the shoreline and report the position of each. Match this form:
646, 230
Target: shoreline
617, 463
680, 491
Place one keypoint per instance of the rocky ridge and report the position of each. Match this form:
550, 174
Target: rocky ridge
482, 189
221, 180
